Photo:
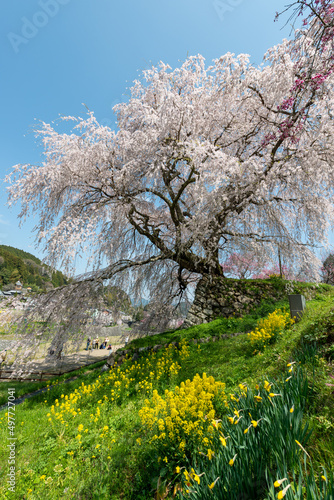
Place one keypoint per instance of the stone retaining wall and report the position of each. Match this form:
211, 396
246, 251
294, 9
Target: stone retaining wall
227, 297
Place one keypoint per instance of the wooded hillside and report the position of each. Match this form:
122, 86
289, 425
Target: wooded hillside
16, 264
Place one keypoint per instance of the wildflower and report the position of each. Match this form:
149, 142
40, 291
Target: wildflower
282, 493
222, 440
210, 454
165, 459
215, 423
231, 462
292, 409
258, 398
213, 484
272, 394
324, 478
255, 423
279, 482
287, 379
267, 386
290, 364
177, 470
197, 478
302, 448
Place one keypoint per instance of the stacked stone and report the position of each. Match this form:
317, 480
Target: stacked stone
228, 297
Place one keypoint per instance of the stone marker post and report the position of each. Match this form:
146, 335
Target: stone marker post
297, 306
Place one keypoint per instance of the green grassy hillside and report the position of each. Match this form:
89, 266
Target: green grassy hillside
209, 417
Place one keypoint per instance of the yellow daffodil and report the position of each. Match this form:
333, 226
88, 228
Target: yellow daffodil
292, 409
267, 386
197, 479
324, 478
300, 446
231, 462
282, 493
279, 482
213, 484
223, 440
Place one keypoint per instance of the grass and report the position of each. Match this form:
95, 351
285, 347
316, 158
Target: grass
214, 328
120, 468
21, 387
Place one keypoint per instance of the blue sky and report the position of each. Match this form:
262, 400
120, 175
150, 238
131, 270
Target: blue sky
58, 54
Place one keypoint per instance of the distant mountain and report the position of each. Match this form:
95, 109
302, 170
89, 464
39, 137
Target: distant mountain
140, 302
18, 265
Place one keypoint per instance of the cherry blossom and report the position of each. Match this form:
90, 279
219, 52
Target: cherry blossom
207, 159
